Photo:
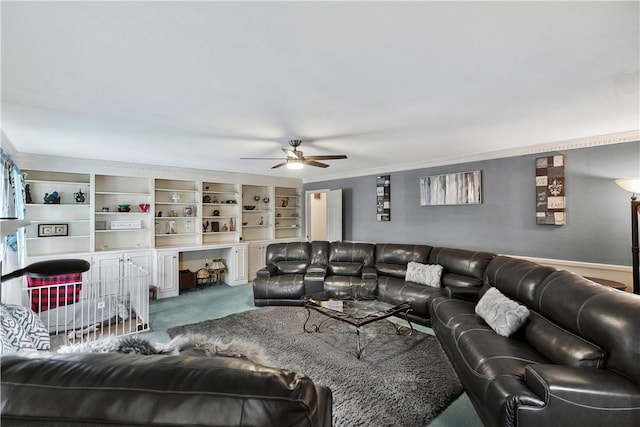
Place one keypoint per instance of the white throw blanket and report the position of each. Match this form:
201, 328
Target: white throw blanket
21, 329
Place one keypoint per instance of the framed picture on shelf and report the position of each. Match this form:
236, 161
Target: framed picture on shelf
53, 230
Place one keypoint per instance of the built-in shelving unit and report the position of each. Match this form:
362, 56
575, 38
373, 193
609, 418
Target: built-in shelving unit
122, 213
177, 220
257, 212
287, 213
62, 227
220, 213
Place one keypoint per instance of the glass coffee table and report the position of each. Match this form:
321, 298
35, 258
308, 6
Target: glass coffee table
355, 312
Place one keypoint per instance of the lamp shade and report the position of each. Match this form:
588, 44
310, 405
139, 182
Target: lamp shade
217, 264
630, 184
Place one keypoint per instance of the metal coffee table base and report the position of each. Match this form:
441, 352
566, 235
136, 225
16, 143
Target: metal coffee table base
359, 324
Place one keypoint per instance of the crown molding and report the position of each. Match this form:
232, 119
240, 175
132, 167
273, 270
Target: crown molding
28, 161
570, 144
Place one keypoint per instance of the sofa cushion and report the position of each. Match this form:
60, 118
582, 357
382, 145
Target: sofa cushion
561, 346
290, 251
461, 261
352, 252
392, 258
394, 270
292, 267
397, 291
424, 274
517, 278
490, 355
502, 314
345, 269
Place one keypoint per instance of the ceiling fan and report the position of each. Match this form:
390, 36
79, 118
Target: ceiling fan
296, 160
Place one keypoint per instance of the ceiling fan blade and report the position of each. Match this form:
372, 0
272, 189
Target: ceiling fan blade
293, 154
314, 163
279, 165
327, 157
260, 158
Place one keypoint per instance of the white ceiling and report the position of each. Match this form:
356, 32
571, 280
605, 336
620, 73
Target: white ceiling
391, 85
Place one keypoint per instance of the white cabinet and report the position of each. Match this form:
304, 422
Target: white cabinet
113, 271
257, 257
237, 265
167, 274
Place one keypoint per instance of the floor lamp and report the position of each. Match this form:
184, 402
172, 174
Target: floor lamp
633, 185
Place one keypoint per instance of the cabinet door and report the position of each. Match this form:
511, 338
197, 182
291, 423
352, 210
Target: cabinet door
141, 259
257, 256
106, 272
167, 270
238, 269
137, 278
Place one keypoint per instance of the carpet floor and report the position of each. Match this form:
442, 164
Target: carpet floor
402, 381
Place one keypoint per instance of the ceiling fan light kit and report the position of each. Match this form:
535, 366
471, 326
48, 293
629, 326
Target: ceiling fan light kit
296, 160
294, 164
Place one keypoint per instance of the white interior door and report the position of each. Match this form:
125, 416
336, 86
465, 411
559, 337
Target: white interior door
330, 216
334, 215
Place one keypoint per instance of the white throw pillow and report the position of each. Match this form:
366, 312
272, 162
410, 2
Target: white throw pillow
424, 274
502, 314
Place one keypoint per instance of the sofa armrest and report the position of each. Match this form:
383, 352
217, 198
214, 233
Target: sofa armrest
585, 395
467, 293
314, 279
268, 271
317, 269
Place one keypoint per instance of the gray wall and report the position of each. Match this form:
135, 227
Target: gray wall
598, 225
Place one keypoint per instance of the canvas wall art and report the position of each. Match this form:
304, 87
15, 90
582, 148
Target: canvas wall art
550, 191
383, 198
451, 189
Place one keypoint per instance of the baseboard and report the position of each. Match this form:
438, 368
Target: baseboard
618, 273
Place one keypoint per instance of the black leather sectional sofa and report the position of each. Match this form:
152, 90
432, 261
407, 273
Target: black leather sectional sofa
575, 361
100, 389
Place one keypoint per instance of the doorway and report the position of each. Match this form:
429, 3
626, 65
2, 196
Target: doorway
324, 215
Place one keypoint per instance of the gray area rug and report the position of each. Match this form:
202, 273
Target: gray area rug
399, 381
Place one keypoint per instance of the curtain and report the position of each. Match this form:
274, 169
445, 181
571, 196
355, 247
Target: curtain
12, 205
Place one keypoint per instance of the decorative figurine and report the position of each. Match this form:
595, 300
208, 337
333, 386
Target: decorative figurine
205, 226
224, 227
261, 220
79, 196
27, 193
52, 199
232, 225
284, 203
266, 203
175, 197
188, 210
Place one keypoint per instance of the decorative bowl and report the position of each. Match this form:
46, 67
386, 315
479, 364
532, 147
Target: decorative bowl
249, 207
